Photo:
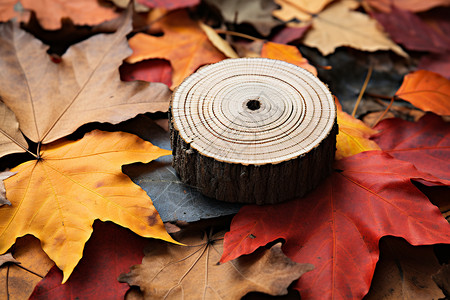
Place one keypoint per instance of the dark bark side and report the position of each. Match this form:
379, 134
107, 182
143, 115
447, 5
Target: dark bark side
260, 184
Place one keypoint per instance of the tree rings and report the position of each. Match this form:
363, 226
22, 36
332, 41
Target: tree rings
253, 130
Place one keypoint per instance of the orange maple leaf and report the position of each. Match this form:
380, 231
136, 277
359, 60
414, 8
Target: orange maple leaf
184, 44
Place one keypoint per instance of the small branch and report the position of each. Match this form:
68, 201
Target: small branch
363, 89
384, 113
242, 35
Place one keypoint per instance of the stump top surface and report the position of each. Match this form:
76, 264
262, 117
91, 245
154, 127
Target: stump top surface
253, 111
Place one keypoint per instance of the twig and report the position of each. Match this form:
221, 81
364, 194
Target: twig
242, 35
363, 89
384, 113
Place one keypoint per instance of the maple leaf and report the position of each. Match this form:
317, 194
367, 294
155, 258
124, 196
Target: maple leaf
408, 29
353, 136
58, 197
109, 252
258, 13
34, 265
426, 90
286, 53
11, 139
82, 12
218, 41
7, 258
339, 26
152, 70
302, 10
7, 10
425, 143
169, 4
411, 5
437, 63
337, 226
3, 176
192, 272
51, 100
404, 272
184, 44
289, 34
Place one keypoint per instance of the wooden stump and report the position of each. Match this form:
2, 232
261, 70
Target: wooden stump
253, 130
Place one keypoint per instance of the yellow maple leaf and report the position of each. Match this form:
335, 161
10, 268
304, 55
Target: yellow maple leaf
57, 197
353, 136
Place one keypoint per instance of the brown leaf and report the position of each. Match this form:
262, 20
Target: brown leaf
3, 176
171, 272
339, 26
82, 12
10, 135
404, 272
302, 10
52, 100
442, 279
21, 283
7, 258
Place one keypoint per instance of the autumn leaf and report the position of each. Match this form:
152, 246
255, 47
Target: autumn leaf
257, 13
34, 265
289, 34
7, 10
353, 136
302, 10
218, 41
7, 258
411, 5
437, 63
287, 53
11, 139
193, 272
404, 272
58, 197
337, 26
52, 100
81, 12
426, 90
152, 70
442, 278
3, 176
110, 251
408, 29
184, 44
337, 227
169, 4
425, 143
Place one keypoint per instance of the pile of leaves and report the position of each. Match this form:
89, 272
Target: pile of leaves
84, 136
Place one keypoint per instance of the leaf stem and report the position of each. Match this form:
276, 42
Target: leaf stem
242, 35
384, 113
363, 89
28, 270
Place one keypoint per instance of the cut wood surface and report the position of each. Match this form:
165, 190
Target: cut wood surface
253, 130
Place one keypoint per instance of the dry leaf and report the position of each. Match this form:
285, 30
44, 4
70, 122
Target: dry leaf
338, 26
353, 136
257, 13
10, 135
184, 44
3, 176
442, 279
193, 272
52, 100
21, 283
82, 12
287, 53
138, 7
7, 258
219, 42
58, 197
404, 272
302, 10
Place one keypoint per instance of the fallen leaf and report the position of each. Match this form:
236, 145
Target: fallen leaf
337, 226
3, 176
437, 63
184, 44
288, 54
52, 100
442, 279
302, 10
11, 139
20, 282
110, 251
258, 13
7, 10
404, 272
218, 42
408, 29
426, 90
289, 34
425, 143
138, 7
411, 5
152, 70
82, 12
7, 258
58, 197
193, 272
353, 136
169, 4
339, 26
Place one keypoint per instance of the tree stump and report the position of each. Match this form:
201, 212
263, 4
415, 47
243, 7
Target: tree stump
253, 130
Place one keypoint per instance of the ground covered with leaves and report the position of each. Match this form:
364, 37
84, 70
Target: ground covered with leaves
91, 208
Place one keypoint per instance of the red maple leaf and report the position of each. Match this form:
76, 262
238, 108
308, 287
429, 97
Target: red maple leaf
425, 143
337, 227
